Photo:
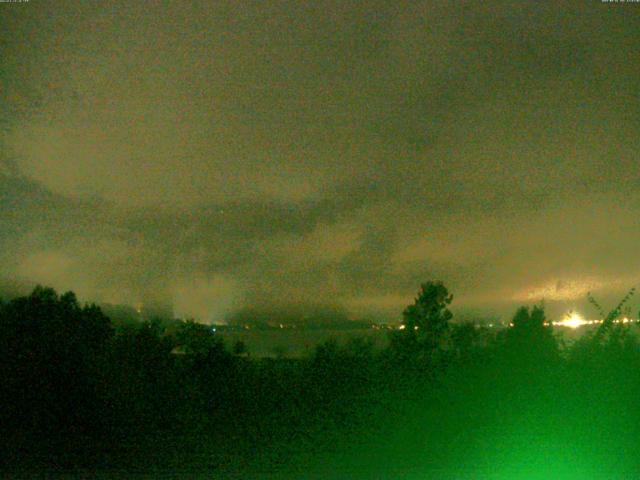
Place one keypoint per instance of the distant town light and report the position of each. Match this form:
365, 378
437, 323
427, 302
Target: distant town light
574, 320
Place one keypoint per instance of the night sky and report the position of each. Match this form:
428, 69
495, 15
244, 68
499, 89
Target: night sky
230, 153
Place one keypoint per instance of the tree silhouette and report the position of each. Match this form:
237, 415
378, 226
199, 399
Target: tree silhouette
530, 337
49, 347
198, 339
429, 315
608, 320
467, 340
611, 337
426, 323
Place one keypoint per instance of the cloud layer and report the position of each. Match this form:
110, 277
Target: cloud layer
232, 153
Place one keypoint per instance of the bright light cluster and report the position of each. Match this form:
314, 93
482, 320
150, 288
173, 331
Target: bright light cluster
574, 320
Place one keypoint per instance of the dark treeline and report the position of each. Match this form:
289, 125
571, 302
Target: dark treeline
443, 400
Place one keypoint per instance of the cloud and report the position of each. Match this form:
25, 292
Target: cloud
209, 299
319, 151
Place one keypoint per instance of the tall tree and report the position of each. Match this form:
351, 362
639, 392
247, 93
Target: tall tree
426, 322
428, 318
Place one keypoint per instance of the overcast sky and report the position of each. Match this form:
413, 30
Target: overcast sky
232, 153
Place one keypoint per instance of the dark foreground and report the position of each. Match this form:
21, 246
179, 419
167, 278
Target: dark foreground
82, 400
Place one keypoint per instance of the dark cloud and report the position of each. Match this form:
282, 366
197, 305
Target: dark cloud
223, 153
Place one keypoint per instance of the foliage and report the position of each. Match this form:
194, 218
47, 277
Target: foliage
425, 325
198, 339
608, 320
530, 340
48, 346
611, 340
77, 395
